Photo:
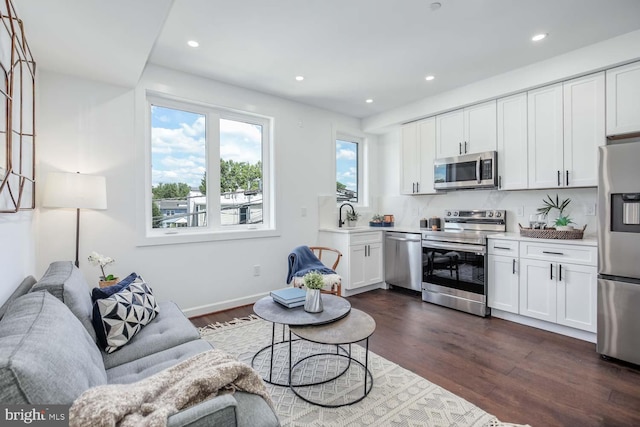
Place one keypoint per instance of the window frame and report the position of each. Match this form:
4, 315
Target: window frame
213, 230
363, 181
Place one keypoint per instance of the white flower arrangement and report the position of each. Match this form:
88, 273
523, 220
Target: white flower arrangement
102, 261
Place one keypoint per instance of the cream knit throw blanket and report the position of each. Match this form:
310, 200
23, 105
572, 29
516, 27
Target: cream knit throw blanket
149, 402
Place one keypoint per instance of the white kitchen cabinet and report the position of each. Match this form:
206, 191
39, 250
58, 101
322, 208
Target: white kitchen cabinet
558, 284
503, 286
545, 136
466, 131
512, 142
623, 99
417, 155
362, 256
565, 127
584, 129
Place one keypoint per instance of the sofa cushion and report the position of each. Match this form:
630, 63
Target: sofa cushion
100, 293
24, 287
139, 369
118, 318
65, 282
46, 356
169, 329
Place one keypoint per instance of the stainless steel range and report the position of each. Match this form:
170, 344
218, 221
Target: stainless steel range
454, 259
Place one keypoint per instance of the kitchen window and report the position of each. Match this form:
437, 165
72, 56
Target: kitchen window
209, 171
349, 153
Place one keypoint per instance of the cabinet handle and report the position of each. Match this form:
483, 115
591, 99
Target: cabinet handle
501, 247
465, 147
460, 147
559, 272
558, 178
417, 187
413, 187
552, 253
567, 180
550, 271
513, 271
500, 181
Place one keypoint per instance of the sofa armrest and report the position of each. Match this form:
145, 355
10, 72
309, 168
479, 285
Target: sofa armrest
219, 411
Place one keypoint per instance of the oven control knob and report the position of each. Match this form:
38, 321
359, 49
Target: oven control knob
490, 214
455, 213
448, 213
498, 214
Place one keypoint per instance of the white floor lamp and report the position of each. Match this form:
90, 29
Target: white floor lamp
75, 190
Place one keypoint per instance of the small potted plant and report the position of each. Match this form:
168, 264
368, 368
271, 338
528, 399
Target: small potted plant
102, 261
313, 281
352, 218
376, 220
563, 221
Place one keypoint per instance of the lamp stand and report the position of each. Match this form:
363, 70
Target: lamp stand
77, 235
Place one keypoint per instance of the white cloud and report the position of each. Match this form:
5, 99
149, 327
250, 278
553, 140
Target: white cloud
346, 154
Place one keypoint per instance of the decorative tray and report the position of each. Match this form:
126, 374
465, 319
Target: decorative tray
380, 224
552, 233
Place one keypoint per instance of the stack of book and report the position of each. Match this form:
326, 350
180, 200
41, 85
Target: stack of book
289, 297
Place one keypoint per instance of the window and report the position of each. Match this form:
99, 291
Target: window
347, 169
208, 168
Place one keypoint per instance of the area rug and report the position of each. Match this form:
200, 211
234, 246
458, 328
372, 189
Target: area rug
398, 396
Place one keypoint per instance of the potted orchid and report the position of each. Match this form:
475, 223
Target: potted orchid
102, 261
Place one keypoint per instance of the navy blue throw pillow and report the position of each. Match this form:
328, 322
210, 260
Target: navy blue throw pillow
101, 293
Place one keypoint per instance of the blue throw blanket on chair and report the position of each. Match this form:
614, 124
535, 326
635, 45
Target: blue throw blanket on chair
302, 260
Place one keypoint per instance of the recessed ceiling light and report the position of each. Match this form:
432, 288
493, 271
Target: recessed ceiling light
369, 101
299, 78
539, 37
429, 78
435, 5
193, 43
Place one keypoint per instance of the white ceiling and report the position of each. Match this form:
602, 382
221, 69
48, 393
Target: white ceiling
347, 50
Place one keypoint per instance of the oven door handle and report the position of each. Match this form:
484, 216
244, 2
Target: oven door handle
478, 249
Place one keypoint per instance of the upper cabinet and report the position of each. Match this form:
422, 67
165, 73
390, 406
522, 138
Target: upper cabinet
545, 136
417, 155
623, 99
566, 125
584, 129
512, 142
466, 131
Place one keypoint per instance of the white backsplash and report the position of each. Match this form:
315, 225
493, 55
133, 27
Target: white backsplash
409, 210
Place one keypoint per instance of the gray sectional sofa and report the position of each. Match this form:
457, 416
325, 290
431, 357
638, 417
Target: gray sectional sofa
49, 355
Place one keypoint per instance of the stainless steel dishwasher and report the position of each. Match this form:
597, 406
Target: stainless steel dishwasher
403, 260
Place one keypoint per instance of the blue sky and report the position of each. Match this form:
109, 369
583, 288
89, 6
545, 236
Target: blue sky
346, 164
178, 145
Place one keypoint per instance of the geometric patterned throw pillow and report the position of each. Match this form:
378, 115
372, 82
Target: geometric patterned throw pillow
119, 317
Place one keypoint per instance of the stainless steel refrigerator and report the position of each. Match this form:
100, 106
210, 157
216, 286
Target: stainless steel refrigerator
619, 252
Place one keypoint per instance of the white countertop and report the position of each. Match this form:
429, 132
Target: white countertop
586, 241
589, 240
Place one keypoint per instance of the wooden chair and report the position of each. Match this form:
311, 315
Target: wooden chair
333, 282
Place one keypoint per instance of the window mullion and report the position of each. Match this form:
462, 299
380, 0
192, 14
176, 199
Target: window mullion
213, 170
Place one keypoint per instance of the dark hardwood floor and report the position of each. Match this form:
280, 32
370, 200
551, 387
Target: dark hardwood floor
517, 373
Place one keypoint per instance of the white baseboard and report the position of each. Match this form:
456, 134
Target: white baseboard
224, 305
351, 292
541, 324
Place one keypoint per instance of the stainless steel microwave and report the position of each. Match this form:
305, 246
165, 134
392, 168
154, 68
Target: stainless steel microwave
469, 171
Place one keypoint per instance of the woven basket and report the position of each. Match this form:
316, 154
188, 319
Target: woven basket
552, 233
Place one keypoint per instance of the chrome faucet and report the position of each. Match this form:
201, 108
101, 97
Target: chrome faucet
340, 221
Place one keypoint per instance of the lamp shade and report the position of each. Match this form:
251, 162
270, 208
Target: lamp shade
75, 190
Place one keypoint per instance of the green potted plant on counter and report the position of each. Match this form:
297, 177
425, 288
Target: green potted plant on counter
352, 218
562, 222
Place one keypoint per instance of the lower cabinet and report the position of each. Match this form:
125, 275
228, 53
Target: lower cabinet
503, 292
362, 256
553, 282
559, 292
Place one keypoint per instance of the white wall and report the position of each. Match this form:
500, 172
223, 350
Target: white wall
90, 127
592, 58
17, 257
408, 210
